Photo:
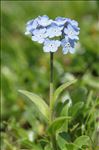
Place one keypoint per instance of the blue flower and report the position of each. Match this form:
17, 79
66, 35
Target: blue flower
71, 32
54, 30
51, 45
60, 21
31, 25
73, 23
43, 29
44, 21
39, 35
68, 45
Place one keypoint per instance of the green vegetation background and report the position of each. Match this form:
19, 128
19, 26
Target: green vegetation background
26, 66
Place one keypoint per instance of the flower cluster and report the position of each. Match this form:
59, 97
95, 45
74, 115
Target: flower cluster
54, 33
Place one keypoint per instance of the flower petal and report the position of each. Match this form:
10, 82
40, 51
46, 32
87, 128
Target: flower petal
34, 38
65, 50
46, 49
72, 50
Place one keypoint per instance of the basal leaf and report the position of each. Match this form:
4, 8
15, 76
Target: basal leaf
70, 146
80, 141
38, 101
60, 89
57, 124
61, 143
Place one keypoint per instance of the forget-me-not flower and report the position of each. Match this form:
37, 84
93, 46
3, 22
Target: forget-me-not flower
39, 35
68, 45
54, 30
73, 23
71, 32
51, 45
44, 21
31, 25
60, 21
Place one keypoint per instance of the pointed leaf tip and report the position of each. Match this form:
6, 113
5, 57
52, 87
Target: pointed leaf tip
38, 101
60, 89
57, 124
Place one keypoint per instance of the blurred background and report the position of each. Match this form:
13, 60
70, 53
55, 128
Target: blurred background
26, 66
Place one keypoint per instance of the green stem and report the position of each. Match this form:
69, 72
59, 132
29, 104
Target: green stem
51, 97
53, 137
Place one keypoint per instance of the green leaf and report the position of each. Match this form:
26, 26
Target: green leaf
59, 109
61, 143
57, 124
64, 112
89, 99
90, 80
38, 101
80, 141
75, 108
60, 89
48, 147
70, 146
